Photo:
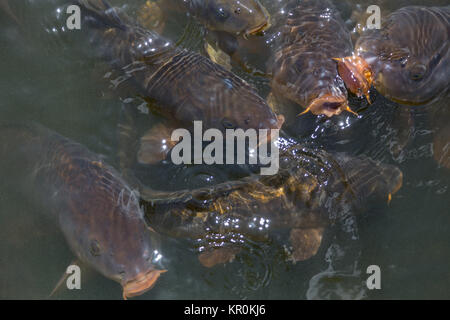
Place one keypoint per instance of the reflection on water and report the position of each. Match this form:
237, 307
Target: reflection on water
51, 77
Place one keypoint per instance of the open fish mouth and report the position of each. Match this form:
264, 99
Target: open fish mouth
329, 104
141, 284
257, 29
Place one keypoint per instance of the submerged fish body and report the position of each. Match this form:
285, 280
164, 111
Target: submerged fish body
227, 22
237, 17
96, 210
303, 68
407, 60
187, 86
312, 190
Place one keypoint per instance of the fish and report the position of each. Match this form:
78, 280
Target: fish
186, 86
96, 210
302, 67
228, 24
236, 17
312, 191
407, 60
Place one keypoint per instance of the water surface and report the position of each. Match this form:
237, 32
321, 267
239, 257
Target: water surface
48, 76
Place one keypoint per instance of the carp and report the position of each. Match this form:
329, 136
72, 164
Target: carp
237, 17
311, 191
407, 60
96, 210
302, 67
226, 21
186, 86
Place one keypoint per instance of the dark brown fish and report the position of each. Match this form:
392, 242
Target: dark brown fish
227, 22
95, 208
185, 85
303, 69
407, 60
311, 191
237, 17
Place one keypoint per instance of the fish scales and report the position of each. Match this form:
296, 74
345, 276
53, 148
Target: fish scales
312, 189
97, 211
186, 85
407, 60
303, 69
234, 17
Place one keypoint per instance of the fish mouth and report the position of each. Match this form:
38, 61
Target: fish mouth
261, 27
329, 105
256, 30
141, 284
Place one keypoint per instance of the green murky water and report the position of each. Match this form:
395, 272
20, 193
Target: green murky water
47, 77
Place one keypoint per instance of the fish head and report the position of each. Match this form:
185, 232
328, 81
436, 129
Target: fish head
133, 253
139, 271
229, 106
262, 121
411, 54
247, 113
238, 17
255, 121
414, 81
356, 74
107, 230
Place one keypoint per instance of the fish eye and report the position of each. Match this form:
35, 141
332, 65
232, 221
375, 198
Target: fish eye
95, 248
417, 72
237, 11
227, 124
222, 13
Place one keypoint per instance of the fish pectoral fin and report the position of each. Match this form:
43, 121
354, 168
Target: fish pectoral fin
63, 278
351, 111
218, 56
156, 144
305, 243
217, 256
304, 112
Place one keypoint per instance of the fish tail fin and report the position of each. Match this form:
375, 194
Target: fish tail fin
368, 178
102, 14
